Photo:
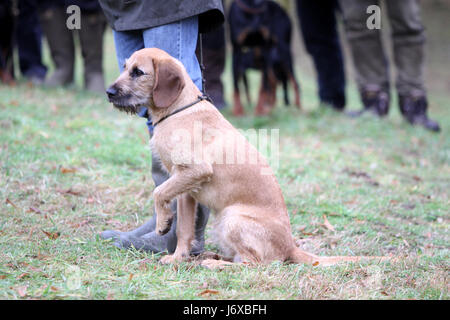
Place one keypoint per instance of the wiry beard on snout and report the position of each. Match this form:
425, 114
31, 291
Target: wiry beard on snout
129, 104
130, 109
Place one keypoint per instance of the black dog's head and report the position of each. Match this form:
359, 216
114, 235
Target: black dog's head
251, 21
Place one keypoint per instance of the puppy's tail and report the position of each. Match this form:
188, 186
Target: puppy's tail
300, 256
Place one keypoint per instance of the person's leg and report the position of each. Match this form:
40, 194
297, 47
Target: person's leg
319, 30
408, 36
29, 40
369, 58
127, 42
214, 62
61, 44
179, 40
7, 22
181, 45
91, 40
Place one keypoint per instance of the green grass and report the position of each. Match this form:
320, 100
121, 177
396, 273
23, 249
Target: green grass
72, 165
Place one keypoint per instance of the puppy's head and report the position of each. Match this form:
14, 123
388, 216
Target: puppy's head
151, 78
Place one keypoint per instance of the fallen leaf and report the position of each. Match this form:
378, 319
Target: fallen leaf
52, 235
315, 264
10, 202
384, 293
2, 277
54, 289
327, 224
69, 191
208, 292
22, 291
130, 277
68, 170
32, 209
80, 224
23, 275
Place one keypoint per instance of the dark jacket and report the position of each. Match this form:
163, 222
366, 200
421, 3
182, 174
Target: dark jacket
88, 6
125, 15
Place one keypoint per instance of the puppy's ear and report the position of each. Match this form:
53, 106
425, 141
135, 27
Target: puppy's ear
168, 84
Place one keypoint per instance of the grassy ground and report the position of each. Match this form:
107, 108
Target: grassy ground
71, 166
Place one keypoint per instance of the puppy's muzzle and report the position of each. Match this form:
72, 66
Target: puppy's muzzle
121, 101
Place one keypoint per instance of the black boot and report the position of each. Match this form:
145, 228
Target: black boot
375, 100
414, 110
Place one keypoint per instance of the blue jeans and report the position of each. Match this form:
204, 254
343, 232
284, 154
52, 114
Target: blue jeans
179, 39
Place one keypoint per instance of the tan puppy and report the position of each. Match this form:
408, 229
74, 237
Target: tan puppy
252, 220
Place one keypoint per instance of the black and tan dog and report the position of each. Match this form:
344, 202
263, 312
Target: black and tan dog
260, 32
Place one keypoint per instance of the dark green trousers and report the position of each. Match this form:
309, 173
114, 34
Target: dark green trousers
369, 55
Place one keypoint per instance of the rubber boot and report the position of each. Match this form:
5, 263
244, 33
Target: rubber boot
91, 39
414, 110
60, 41
145, 237
375, 100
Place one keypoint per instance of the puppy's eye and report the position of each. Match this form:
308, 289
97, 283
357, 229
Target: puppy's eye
136, 72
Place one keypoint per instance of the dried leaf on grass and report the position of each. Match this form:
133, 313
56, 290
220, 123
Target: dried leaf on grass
327, 224
208, 292
7, 201
23, 275
69, 191
67, 170
52, 235
35, 210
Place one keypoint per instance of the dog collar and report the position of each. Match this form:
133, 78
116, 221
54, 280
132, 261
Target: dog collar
200, 98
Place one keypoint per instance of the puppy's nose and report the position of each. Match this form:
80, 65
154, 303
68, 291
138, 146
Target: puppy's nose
111, 92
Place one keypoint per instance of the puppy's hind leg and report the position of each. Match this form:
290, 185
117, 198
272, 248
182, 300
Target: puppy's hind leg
241, 237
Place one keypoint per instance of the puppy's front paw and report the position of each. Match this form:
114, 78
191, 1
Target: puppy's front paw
172, 259
163, 225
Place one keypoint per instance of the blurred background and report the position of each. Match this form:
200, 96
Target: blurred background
435, 14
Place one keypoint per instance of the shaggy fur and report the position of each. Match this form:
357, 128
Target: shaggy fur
252, 222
